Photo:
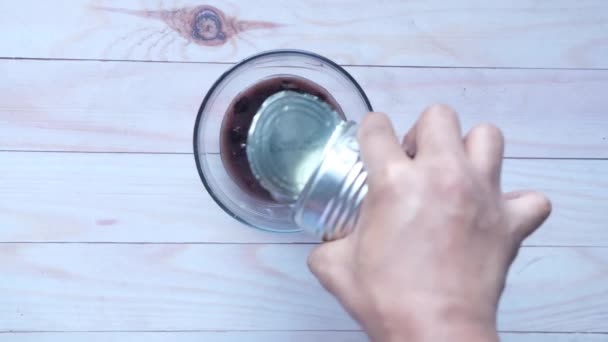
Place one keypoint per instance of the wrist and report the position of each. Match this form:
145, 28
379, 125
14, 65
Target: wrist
437, 332
424, 324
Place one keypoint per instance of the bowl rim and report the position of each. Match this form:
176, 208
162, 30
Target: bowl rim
212, 89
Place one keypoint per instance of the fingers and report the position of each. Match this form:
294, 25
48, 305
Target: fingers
526, 211
327, 262
437, 132
484, 146
378, 143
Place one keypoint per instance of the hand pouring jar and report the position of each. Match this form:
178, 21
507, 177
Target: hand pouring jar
275, 146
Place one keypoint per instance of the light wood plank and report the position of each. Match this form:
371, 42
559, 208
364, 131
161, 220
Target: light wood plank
522, 33
114, 197
75, 287
160, 198
151, 107
227, 336
270, 336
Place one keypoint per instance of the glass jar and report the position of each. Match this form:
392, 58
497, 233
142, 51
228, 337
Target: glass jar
220, 134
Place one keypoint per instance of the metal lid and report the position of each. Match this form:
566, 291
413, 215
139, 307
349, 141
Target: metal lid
287, 140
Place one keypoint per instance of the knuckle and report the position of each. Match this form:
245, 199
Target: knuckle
316, 260
373, 119
455, 184
365, 132
438, 111
365, 135
545, 205
389, 178
387, 185
445, 164
324, 266
372, 125
393, 172
488, 131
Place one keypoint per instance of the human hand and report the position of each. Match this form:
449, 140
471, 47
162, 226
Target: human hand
435, 238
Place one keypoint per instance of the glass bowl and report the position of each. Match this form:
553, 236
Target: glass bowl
212, 157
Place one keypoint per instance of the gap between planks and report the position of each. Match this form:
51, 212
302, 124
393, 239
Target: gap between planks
226, 243
267, 336
217, 153
341, 64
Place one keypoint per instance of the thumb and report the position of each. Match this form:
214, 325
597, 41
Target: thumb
328, 262
526, 210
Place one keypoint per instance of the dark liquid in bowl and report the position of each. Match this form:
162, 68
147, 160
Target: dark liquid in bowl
238, 118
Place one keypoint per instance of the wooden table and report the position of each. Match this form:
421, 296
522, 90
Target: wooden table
107, 234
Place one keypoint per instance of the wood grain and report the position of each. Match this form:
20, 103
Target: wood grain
151, 107
522, 33
108, 287
160, 198
268, 336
